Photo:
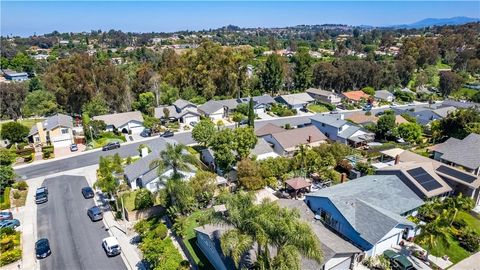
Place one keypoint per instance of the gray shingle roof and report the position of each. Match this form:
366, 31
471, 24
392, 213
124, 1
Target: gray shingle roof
262, 147
384, 197
296, 99
53, 122
267, 129
383, 94
210, 106
331, 120
347, 133
174, 112
294, 137
319, 92
120, 119
464, 152
182, 104
444, 111
458, 104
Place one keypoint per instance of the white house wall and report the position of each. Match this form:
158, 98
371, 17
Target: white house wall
339, 262
391, 239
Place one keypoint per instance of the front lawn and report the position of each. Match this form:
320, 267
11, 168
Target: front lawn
190, 241
317, 108
107, 137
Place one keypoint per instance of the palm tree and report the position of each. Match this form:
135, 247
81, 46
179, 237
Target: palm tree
435, 231
268, 226
176, 157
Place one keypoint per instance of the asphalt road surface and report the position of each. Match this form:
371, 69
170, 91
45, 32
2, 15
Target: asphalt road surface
75, 241
38, 170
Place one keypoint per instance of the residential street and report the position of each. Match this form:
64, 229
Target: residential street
75, 241
92, 157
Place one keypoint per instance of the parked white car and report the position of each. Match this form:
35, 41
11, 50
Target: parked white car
111, 246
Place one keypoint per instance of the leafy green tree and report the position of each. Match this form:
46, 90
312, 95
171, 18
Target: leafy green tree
244, 140
449, 82
143, 199
302, 70
458, 124
7, 157
223, 145
251, 114
410, 132
204, 184
7, 177
11, 101
385, 125
182, 197
35, 85
168, 94
14, 132
204, 132
272, 75
369, 90
23, 62
145, 103
96, 106
248, 173
275, 167
177, 158
41, 103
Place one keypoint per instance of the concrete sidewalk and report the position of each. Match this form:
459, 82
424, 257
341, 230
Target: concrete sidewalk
470, 263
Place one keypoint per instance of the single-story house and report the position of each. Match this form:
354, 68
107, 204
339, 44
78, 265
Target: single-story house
182, 110
384, 95
14, 76
260, 103
56, 130
428, 177
423, 115
127, 122
268, 129
460, 104
336, 128
286, 142
141, 173
324, 96
295, 101
371, 211
355, 96
460, 153
213, 109
362, 119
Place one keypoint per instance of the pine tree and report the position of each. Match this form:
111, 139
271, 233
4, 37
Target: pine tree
251, 114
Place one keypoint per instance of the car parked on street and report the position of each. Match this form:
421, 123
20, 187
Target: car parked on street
88, 192
5, 215
167, 134
9, 223
111, 246
398, 261
73, 147
42, 248
110, 146
95, 213
41, 195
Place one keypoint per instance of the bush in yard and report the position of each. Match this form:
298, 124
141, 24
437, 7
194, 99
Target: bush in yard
5, 204
470, 240
143, 199
7, 157
16, 195
10, 256
14, 132
20, 185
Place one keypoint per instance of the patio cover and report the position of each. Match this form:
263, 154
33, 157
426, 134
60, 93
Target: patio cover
392, 152
297, 183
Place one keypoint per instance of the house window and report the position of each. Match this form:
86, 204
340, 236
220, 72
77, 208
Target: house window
64, 130
37, 139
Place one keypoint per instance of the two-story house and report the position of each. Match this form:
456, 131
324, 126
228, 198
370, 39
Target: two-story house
336, 128
56, 130
182, 110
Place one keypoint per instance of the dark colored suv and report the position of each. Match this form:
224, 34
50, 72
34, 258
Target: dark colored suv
110, 146
42, 248
87, 192
95, 213
398, 261
167, 134
41, 195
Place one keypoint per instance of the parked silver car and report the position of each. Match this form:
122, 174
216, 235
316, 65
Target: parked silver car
95, 213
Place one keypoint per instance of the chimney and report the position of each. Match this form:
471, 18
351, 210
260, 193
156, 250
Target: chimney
144, 152
397, 159
343, 178
342, 116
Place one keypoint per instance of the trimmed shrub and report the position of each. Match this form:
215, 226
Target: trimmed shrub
143, 199
20, 185
16, 195
5, 203
10, 256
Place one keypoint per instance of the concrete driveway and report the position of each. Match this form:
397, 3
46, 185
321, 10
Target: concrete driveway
65, 151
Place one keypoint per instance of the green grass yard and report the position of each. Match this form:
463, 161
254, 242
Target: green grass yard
452, 248
317, 108
190, 241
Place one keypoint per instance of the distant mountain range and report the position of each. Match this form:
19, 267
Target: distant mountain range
437, 22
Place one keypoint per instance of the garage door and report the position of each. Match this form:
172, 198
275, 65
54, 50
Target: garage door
61, 143
344, 265
259, 110
189, 119
137, 130
380, 247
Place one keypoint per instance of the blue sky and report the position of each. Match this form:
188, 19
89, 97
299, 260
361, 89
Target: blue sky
26, 18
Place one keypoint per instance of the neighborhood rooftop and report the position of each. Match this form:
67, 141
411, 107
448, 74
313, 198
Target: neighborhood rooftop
119, 119
57, 120
464, 152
